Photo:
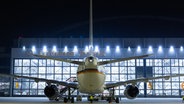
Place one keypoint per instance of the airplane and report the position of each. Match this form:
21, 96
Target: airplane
90, 76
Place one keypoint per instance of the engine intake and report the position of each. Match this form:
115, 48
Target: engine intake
131, 92
51, 92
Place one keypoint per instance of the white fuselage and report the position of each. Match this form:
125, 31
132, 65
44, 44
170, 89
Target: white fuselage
90, 77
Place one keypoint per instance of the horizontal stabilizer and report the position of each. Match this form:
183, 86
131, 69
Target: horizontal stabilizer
60, 59
122, 59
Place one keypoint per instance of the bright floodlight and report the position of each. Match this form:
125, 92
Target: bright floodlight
171, 49
86, 50
45, 49
96, 49
23, 48
75, 49
117, 49
138, 49
65, 49
181, 49
150, 49
54, 49
129, 49
33, 49
107, 49
160, 50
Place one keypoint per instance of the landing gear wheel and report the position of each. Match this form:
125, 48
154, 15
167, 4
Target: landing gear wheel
117, 100
51, 99
65, 100
72, 100
91, 101
110, 100
57, 99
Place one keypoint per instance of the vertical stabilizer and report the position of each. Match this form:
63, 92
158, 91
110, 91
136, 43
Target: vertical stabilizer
91, 29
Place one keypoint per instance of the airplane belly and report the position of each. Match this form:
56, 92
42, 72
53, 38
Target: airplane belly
91, 82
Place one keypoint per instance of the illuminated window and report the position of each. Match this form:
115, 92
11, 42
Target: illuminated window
26, 62
18, 62
115, 69
34, 62
115, 78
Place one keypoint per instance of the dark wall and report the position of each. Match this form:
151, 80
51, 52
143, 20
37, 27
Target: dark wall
5, 62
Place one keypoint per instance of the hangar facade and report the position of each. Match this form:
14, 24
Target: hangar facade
168, 59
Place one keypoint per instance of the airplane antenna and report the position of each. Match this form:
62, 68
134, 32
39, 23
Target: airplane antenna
91, 29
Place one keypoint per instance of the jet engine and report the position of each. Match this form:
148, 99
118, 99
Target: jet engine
51, 92
131, 92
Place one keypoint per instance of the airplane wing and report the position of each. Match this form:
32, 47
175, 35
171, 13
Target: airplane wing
122, 59
59, 59
64, 83
134, 81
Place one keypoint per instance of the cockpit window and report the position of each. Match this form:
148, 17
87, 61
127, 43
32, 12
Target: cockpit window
91, 59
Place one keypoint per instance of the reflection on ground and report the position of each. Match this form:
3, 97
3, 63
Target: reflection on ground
42, 100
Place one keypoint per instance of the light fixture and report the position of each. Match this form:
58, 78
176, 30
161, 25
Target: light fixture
23, 48
181, 48
160, 50
86, 50
96, 49
107, 49
129, 49
45, 49
117, 49
150, 49
54, 49
75, 49
171, 49
139, 49
33, 49
65, 49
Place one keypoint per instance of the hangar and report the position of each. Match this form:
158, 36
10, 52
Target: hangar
168, 58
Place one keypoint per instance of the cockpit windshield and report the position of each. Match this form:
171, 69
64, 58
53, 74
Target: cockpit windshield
91, 59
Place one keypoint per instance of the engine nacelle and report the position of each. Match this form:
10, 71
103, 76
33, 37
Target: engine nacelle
131, 92
51, 92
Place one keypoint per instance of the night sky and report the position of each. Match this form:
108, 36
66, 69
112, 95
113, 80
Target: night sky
70, 18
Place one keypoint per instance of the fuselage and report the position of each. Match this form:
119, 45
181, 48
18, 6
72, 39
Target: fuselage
90, 76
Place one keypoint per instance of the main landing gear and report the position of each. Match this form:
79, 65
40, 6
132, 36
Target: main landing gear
112, 97
70, 98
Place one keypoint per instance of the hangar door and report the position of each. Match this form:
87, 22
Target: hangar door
145, 72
